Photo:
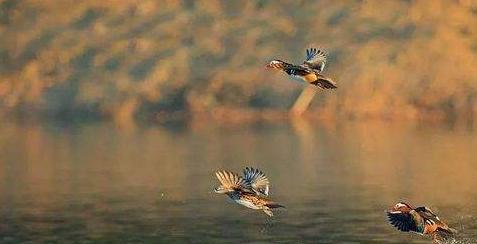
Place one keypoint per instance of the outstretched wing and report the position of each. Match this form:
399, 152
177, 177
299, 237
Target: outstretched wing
402, 221
257, 179
232, 180
315, 59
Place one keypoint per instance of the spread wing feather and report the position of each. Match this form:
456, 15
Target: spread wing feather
315, 59
257, 179
402, 221
232, 180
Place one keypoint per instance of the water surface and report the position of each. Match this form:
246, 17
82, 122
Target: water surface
150, 184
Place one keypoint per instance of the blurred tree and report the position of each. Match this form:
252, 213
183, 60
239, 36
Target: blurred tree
127, 58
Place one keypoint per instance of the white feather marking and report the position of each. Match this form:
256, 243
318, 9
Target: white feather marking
247, 204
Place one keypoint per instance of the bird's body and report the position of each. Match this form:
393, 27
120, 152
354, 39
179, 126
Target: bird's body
253, 201
420, 220
249, 191
309, 71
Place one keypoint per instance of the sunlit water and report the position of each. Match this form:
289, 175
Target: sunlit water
151, 184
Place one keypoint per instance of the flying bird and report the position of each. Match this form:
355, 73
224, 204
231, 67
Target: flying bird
310, 71
251, 190
420, 220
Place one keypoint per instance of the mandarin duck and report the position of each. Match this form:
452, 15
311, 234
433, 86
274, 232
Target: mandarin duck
420, 220
310, 71
251, 190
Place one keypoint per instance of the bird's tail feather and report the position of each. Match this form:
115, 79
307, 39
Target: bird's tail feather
274, 205
444, 234
324, 83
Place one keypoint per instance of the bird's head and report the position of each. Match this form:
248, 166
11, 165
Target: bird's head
274, 64
401, 207
221, 189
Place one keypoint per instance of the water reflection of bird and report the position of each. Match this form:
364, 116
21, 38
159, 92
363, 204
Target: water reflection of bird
309, 71
420, 220
250, 190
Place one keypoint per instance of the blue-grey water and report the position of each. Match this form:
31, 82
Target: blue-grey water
100, 183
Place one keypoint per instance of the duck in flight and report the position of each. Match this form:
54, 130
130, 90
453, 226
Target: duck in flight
310, 71
420, 220
251, 190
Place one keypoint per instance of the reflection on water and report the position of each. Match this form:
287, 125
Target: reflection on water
96, 182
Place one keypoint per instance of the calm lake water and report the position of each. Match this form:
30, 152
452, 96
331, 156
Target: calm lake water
96, 182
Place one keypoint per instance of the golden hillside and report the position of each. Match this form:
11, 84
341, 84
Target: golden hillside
143, 57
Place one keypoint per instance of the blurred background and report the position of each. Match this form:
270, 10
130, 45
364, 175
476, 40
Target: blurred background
146, 59
115, 115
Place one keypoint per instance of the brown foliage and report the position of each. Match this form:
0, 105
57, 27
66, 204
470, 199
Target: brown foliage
123, 58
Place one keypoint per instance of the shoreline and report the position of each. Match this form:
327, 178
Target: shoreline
242, 116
